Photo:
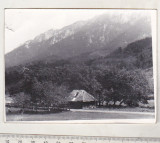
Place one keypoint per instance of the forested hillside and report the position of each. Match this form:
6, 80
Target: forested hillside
117, 77
135, 55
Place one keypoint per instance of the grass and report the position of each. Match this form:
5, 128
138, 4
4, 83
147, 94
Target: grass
77, 115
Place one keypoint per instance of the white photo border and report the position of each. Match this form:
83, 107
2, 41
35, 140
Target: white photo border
92, 129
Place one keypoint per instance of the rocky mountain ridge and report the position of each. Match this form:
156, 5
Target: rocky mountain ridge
107, 31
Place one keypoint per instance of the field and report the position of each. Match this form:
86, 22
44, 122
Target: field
81, 114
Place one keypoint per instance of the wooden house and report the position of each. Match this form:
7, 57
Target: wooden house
79, 99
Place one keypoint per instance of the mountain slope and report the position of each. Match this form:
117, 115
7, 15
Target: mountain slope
135, 55
107, 31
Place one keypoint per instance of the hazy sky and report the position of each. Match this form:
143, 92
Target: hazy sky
24, 24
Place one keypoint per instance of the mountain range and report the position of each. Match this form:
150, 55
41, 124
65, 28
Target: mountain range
97, 37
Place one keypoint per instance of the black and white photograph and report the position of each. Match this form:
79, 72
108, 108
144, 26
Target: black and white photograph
79, 65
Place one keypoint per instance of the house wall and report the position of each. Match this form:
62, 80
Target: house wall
80, 105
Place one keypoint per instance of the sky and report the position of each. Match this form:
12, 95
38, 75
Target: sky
22, 25
25, 24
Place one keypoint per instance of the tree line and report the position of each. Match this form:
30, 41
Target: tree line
50, 85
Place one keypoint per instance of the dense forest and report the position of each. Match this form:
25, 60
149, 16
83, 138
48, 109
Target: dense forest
117, 77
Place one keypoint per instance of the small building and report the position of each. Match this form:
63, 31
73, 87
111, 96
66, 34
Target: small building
8, 101
79, 99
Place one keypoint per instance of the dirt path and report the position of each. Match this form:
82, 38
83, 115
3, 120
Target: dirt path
102, 111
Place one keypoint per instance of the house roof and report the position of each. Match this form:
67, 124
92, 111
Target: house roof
80, 95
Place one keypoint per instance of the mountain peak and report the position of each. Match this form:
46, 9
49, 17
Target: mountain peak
44, 36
